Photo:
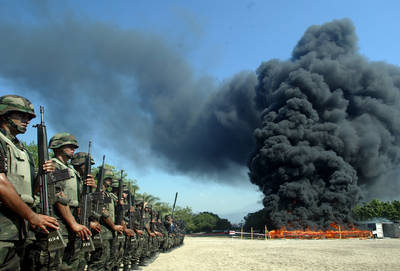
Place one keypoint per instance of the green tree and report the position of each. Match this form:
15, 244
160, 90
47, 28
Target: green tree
255, 220
205, 222
376, 208
185, 214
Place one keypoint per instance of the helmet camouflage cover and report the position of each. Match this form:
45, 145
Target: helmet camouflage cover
80, 158
62, 139
115, 184
108, 173
9, 103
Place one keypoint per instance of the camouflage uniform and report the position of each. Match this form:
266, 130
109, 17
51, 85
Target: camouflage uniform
131, 242
164, 239
100, 258
20, 172
77, 161
73, 257
140, 239
117, 249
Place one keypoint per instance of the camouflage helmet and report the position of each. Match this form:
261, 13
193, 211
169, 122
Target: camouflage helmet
115, 184
108, 173
62, 139
80, 159
9, 103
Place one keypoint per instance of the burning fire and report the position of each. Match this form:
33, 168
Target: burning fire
336, 233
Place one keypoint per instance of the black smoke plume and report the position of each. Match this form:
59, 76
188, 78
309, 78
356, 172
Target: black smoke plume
131, 92
330, 127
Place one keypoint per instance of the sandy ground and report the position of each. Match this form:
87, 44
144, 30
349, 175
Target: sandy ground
211, 253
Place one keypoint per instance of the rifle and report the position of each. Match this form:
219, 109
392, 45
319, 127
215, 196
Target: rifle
120, 208
173, 208
131, 201
142, 216
97, 198
47, 182
130, 221
86, 206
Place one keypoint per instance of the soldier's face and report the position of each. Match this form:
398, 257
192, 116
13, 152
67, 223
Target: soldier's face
21, 120
107, 182
68, 150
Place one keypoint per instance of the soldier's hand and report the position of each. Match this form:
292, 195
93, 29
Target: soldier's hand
81, 231
129, 232
90, 181
43, 221
95, 226
152, 234
48, 166
118, 228
140, 232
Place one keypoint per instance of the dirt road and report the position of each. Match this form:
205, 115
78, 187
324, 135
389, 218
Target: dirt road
208, 253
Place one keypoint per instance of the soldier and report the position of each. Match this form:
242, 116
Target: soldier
169, 225
117, 248
101, 258
138, 228
16, 182
130, 245
63, 146
147, 256
164, 234
158, 235
78, 162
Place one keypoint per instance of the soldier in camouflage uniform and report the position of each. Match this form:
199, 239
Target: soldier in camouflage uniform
137, 225
169, 225
148, 249
131, 242
101, 257
78, 162
117, 250
63, 146
156, 242
164, 234
16, 183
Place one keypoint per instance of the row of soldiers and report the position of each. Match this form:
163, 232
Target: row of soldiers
59, 217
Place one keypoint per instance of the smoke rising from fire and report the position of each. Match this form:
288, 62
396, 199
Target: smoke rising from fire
330, 126
133, 93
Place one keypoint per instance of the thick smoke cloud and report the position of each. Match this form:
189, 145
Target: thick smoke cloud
132, 92
330, 127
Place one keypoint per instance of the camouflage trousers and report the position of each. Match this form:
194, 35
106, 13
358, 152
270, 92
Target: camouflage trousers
139, 248
130, 248
11, 254
74, 259
117, 252
100, 256
38, 257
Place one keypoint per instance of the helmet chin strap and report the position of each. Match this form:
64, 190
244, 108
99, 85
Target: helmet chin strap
15, 126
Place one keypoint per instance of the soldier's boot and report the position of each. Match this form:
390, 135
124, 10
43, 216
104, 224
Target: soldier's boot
142, 261
127, 266
135, 264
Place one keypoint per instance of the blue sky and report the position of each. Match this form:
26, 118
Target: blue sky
214, 39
